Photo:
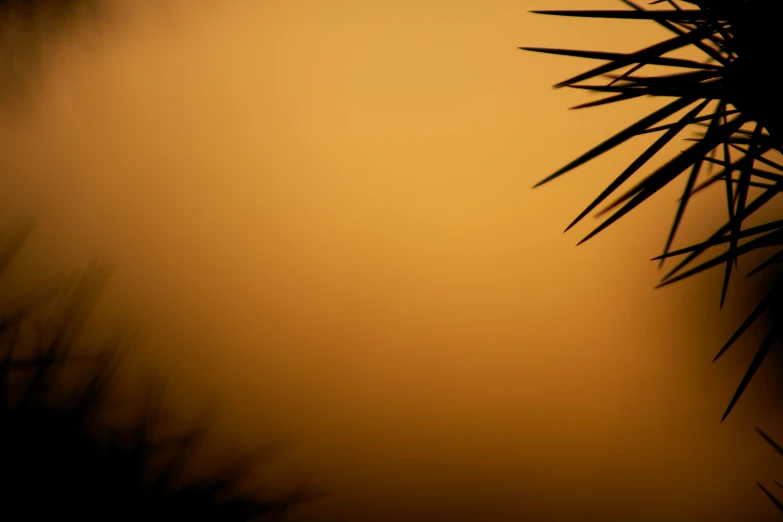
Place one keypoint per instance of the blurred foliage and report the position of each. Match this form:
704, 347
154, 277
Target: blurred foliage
30, 31
63, 455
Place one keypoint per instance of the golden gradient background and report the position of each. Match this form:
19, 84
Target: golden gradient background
321, 213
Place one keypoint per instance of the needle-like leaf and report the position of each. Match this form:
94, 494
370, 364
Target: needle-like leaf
761, 354
733, 36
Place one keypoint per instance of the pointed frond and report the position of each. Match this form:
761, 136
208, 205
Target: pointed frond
621, 137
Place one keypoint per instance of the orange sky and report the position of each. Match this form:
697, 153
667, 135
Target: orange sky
321, 213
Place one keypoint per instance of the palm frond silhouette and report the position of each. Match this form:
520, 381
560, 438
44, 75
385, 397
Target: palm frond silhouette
730, 95
774, 498
60, 458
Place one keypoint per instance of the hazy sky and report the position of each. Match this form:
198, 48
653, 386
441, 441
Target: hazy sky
322, 214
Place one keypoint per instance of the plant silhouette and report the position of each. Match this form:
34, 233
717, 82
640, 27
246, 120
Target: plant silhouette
731, 97
68, 450
63, 455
